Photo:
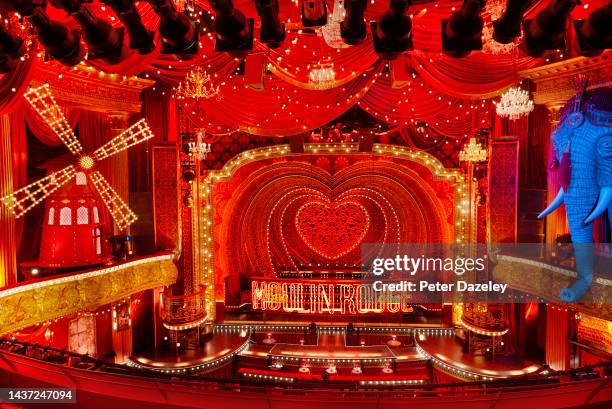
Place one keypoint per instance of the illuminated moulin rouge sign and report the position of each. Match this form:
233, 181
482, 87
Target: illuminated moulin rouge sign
325, 298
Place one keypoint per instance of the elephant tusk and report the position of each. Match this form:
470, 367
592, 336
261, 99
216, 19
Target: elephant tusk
554, 204
605, 198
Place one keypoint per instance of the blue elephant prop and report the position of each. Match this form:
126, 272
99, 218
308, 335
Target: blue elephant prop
583, 149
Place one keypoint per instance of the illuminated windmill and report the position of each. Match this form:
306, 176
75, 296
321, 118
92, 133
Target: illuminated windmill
68, 240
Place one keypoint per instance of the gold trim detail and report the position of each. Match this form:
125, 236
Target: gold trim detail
28, 304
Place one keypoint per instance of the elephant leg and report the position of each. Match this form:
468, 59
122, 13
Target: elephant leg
582, 239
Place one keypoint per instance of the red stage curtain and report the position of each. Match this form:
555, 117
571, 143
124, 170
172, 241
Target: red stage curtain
40, 129
13, 84
557, 338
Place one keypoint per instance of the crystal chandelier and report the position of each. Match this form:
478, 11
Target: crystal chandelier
322, 76
514, 103
197, 84
199, 148
472, 152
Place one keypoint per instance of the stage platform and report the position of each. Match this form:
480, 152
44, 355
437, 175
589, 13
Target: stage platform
220, 346
447, 350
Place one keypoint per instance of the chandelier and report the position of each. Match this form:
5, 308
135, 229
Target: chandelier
199, 148
472, 152
197, 84
322, 76
514, 103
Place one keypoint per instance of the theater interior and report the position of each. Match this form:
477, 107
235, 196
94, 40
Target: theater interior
190, 189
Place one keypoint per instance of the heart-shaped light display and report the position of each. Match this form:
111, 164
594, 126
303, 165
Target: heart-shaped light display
332, 229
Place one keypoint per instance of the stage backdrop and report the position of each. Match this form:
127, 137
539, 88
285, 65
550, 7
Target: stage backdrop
301, 212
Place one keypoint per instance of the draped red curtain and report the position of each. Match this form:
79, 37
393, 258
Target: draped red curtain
557, 337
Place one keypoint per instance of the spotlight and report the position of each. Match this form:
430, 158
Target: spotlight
272, 30
10, 44
314, 13
353, 27
234, 32
462, 32
547, 31
178, 31
189, 175
104, 41
60, 42
11, 49
508, 26
392, 34
141, 39
595, 33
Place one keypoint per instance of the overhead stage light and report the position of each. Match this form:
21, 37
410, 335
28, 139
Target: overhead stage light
60, 43
11, 49
141, 39
595, 33
234, 32
272, 30
178, 31
547, 31
462, 32
314, 13
104, 41
392, 34
508, 26
353, 27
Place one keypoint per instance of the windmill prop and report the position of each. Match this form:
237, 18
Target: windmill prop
24, 199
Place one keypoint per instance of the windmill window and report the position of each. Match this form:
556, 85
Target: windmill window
96, 216
81, 179
98, 239
82, 215
51, 216
65, 216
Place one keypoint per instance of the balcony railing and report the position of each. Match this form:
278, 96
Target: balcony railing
181, 312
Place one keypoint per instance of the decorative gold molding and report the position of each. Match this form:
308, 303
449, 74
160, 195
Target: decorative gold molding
85, 87
554, 85
546, 281
28, 304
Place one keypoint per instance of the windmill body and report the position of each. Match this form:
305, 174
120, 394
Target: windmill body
74, 225
74, 232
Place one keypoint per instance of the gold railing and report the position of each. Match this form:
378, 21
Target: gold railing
180, 312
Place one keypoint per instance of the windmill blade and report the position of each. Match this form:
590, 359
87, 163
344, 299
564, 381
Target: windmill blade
120, 211
135, 134
43, 102
22, 200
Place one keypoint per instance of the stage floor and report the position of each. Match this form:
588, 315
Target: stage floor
442, 347
448, 350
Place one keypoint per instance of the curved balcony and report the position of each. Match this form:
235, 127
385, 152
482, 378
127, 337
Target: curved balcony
182, 312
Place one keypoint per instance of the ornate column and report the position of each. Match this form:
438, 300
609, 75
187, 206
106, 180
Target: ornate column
554, 87
8, 239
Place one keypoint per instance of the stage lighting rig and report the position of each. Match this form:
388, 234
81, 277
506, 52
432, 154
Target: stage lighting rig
508, 26
179, 33
547, 31
105, 42
60, 43
233, 31
272, 30
462, 32
595, 33
141, 39
392, 34
353, 27
11, 49
314, 13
